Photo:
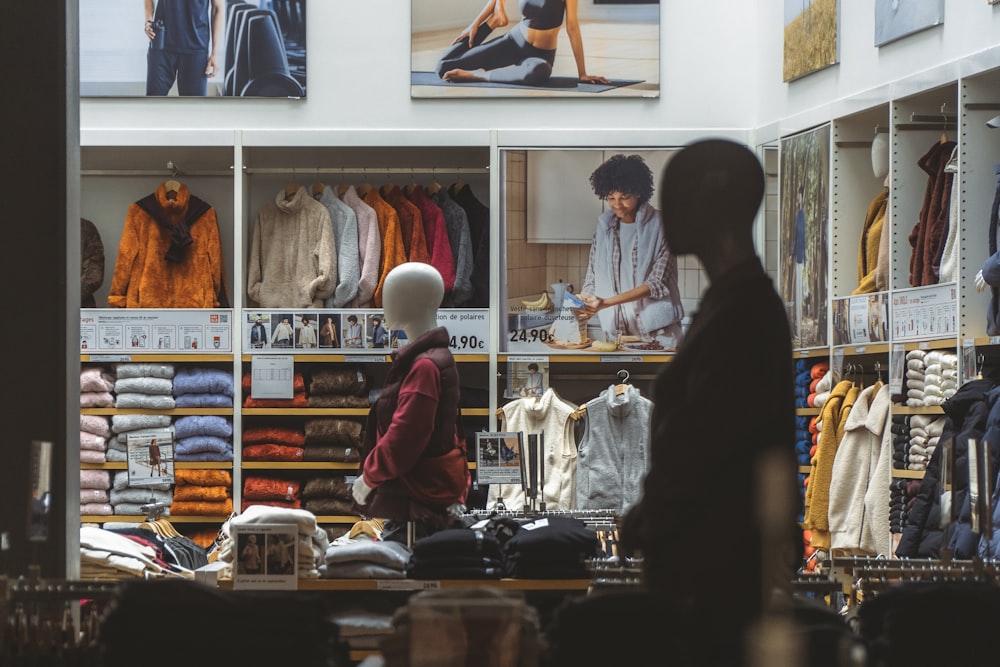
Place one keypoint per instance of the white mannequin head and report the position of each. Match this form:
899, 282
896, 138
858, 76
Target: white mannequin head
880, 155
410, 298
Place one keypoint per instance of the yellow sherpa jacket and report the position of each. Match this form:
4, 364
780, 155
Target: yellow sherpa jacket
170, 255
871, 239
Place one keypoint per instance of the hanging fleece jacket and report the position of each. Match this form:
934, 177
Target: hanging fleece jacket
169, 255
948, 263
457, 223
551, 414
821, 471
391, 234
345, 238
293, 259
871, 239
613, 454
867, 442
928, 236
436, 235
369, 247
411, 223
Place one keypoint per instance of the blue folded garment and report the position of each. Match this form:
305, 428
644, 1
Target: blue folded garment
189, 425
202, 380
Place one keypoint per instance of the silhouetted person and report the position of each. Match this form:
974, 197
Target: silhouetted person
723, 406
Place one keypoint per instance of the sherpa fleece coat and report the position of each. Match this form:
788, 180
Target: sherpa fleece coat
293, 259
169, 255
369, 247
91, 263
345, 236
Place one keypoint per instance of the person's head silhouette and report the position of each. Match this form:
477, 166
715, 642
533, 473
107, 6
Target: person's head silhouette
709, 195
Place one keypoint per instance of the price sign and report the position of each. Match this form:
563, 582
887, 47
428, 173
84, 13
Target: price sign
468, 330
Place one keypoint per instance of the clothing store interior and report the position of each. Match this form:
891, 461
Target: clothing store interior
406, 335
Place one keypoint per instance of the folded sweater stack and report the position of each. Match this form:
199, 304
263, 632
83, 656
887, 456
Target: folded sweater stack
144, 385
136, 425
924, 433
96, 385
271, 491
328, 496
332, 439
128, 500
203, 492
339, 388
203, 438
203, 387
94, 497
915, 371
940, 376
273, 443
95, 430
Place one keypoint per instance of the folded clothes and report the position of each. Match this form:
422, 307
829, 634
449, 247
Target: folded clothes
96, 379
96, 424
123, 423
203, 380
339, 381
144, 386
257, 487
190, 425
202, 508
274, 434
203, 401
96, 399
271, 452
145, 401
332, 431
195, 492
202, 477
139, 369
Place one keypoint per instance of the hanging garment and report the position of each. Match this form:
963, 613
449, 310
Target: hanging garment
457, 224
552, 415
345, 238
991, 267
91, 263
410, 222
293, 259
948, 262
169, 255
369, 247
871, 239
834, 413
613, 454
436, 235
867, 443
478, 215
928, 235
390, 233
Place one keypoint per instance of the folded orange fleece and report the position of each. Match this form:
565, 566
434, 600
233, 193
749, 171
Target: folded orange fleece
205, 493
281, 435
297, 401
298, 383
201, 508
272, 452
200, 477
271, 488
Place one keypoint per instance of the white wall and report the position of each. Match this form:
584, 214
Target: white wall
359, 69
866, 73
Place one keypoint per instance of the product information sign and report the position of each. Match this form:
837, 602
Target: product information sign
925, 312
148, 330
150, 456
265, 556
353, 331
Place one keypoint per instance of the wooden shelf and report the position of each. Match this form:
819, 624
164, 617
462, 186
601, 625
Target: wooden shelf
366, 355
939, 344
810, 353
807, 412
298, 465
421, 584
139, 518
179, 465
222, 412
193, 357
868, 348
908, 474
597, 358
917, 410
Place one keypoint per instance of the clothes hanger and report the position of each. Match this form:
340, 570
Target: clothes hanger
291, 189
622, 386
317, 188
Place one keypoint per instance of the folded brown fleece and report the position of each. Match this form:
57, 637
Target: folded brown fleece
331, 453
271, 452
326, 487
281, 435
333, 431
330, 506
209, 494
201, 507
208, 477
338, 401
338, 381
271, 488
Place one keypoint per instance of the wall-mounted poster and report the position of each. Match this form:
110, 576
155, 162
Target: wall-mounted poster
534, 48
586, 267
804, 217
811, 36
193, 48
895, 19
